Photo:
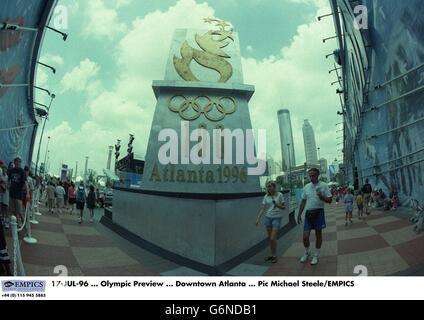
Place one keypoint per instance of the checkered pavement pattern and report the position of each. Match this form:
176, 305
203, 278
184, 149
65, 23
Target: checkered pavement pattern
383, 242
83, 249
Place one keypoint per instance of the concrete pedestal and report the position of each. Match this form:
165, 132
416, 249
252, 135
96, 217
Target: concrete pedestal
205, 230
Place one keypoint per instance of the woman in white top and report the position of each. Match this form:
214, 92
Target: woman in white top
273, 204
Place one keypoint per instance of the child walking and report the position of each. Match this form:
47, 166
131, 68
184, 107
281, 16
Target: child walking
360, 204
348, 201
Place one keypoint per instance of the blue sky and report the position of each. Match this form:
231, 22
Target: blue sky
105, 72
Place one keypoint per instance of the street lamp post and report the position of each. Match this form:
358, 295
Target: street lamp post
52, 97
85, 170
45, 156
48, 161
288, 149
76, 171
319, 158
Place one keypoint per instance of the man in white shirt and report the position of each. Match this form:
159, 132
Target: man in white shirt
60, 197
314, 197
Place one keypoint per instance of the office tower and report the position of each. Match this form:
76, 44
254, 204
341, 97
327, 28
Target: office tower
286, 138
310, 144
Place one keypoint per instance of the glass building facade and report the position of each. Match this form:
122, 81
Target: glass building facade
286, 138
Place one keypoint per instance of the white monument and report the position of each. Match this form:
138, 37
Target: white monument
204, 212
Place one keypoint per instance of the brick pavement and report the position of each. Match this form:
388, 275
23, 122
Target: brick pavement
384, 242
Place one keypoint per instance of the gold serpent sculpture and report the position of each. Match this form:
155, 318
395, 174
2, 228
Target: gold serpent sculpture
212, 56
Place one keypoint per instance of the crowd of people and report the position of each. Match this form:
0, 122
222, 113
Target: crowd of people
19, 187
314, 197
364, 199
62, 197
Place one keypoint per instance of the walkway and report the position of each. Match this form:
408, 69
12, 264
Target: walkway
89, 249
385, 243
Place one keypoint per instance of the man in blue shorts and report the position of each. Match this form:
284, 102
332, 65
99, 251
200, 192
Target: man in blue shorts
314, 197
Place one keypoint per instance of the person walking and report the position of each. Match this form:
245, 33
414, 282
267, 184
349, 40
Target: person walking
80, 197
50, 196
348, 201
5, 268
60, 195
29, 188
315, 195
17, 184
4, 195
72, 200
272, 204
367, 190
91, 203
65, 196
360, 204
97, 197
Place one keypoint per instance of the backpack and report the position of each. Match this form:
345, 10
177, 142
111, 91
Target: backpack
80, 194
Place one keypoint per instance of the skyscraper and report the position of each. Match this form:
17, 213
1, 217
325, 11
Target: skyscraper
286, 137
310, 144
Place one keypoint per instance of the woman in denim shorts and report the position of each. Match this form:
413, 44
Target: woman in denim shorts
272, 205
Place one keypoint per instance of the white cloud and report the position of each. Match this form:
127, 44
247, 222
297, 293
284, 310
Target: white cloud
128, 107
52, 59
122, 3
70, 146
317, 3
297, 76
79, 77
146, 46
299, 79
102, 22
43, 74
42, 77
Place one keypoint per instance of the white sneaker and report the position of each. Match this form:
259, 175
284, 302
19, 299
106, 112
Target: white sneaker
80, 220
305, 257
314, 261
91, 220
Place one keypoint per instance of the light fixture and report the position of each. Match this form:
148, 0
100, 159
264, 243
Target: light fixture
15, 27
47, 66
64, 35
45, 90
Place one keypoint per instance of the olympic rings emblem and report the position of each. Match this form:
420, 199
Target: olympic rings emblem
191, 108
